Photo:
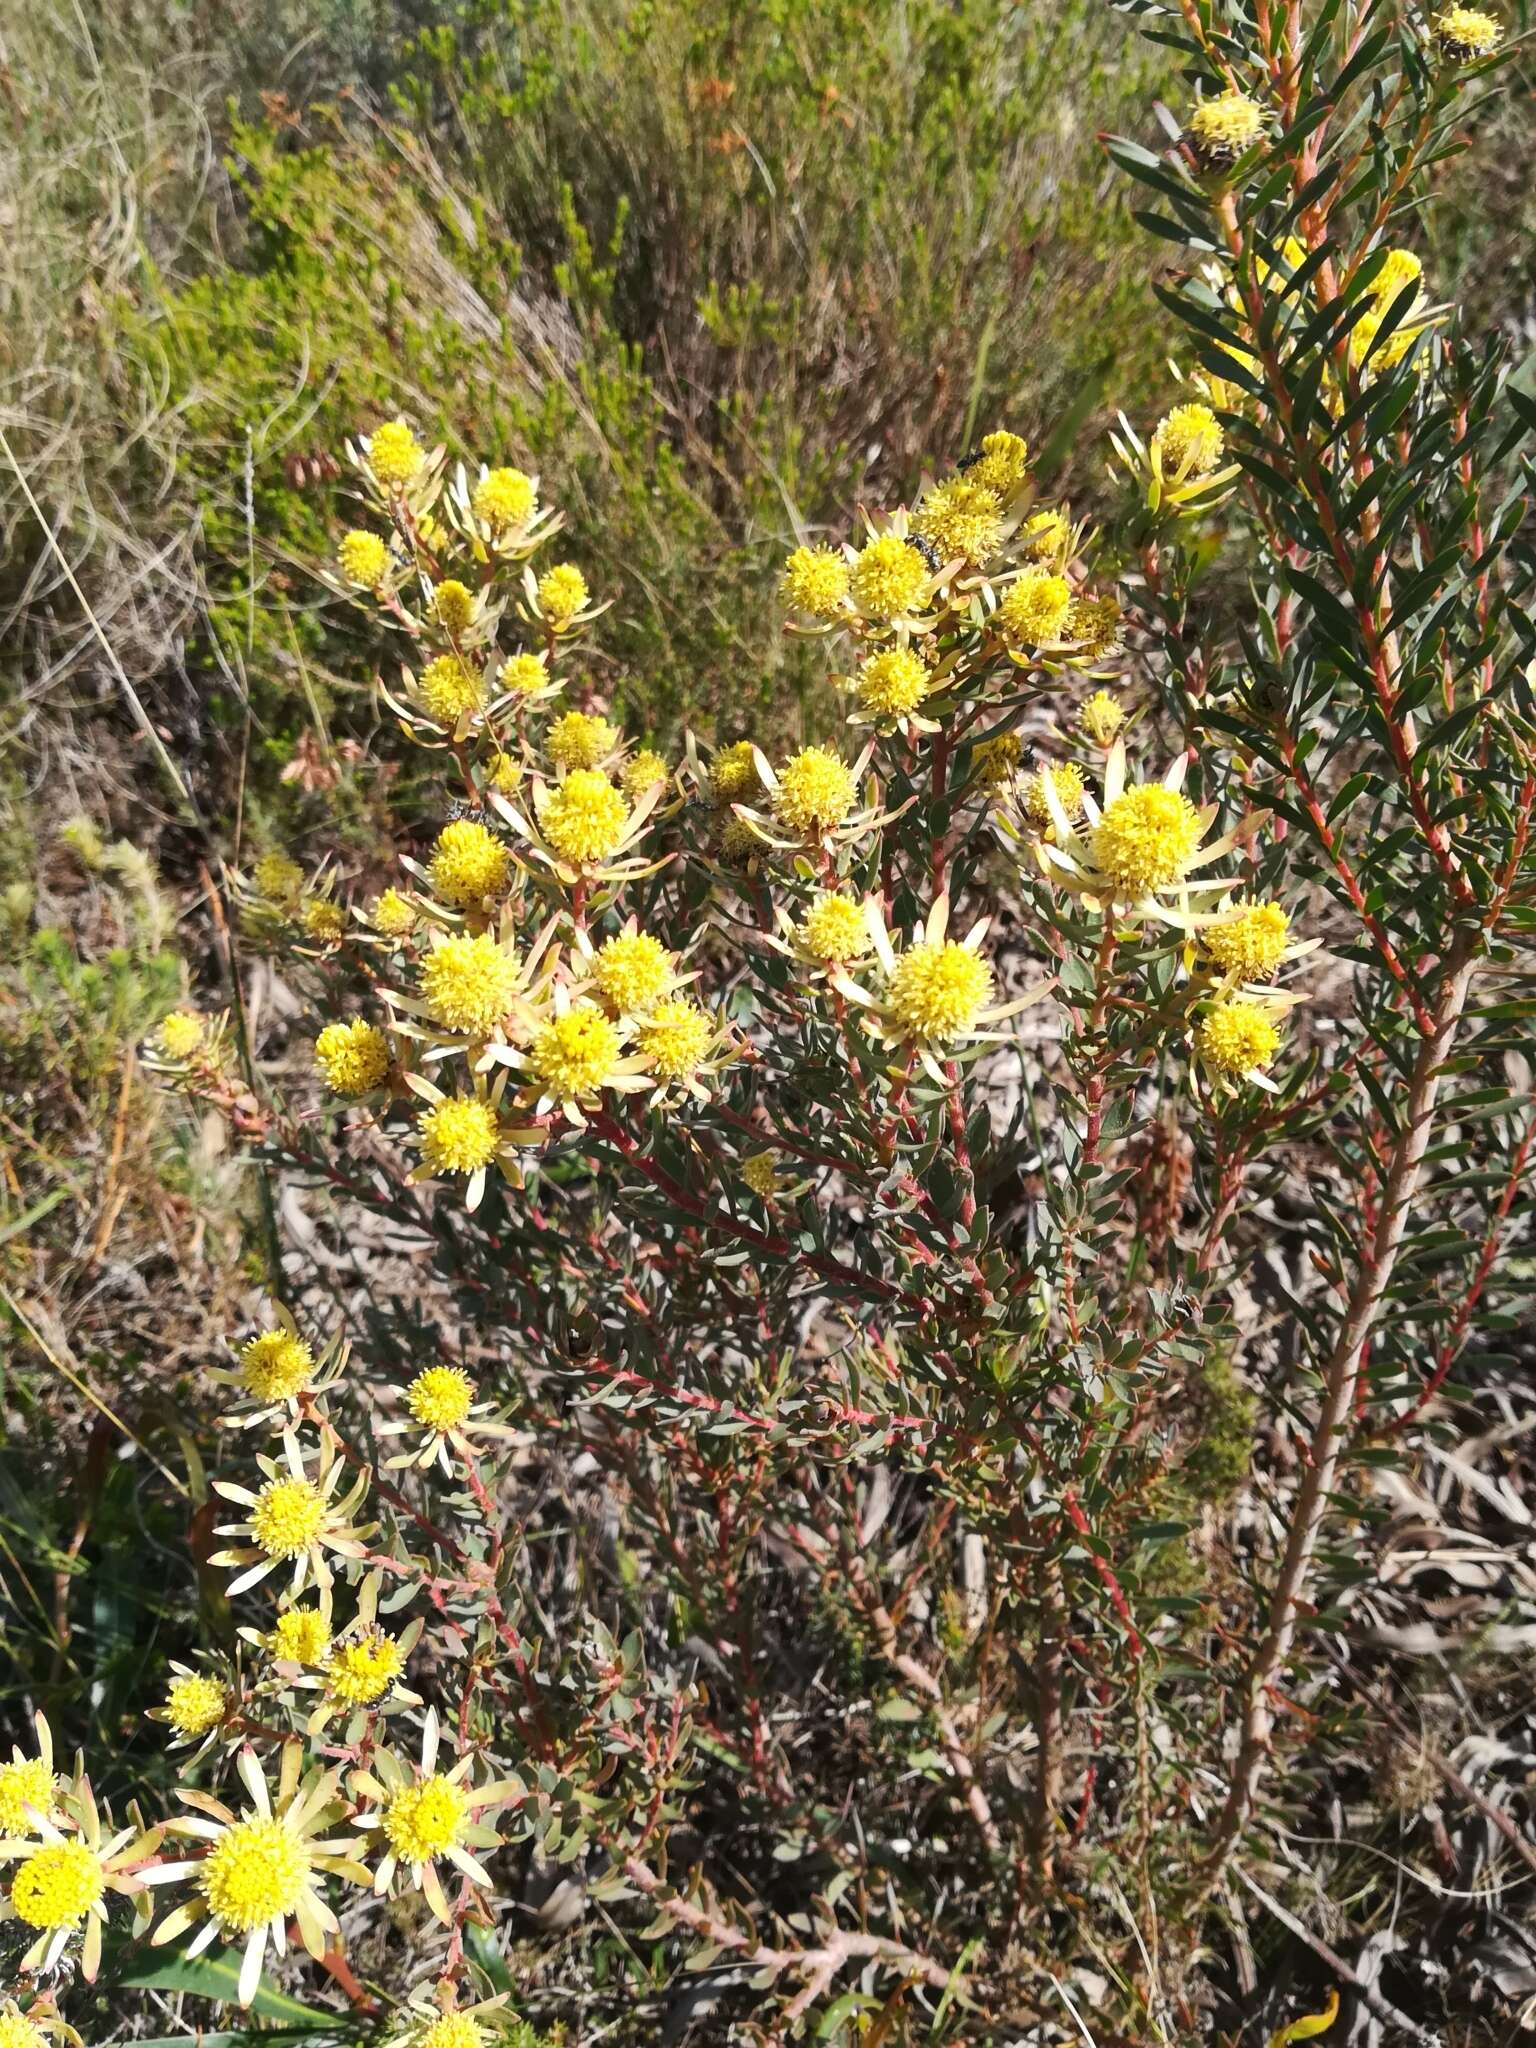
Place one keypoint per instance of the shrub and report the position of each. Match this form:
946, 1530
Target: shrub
838, 1165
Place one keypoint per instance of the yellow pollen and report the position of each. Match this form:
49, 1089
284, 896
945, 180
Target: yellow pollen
1101, 718
963, 519
394, 454
815, 794
440, 1397
574, 1054
562, 593
1066, 783
893, 684
835, 930
194, 1704
453, 2030
421, 1821
58, 1885
300, 1636
675, 1038
352, 1057
816, 581
364, 559
1238, 1038
504, 497
255, 1872
1002, 464
276, 1365
27, 1782
1252, 944
180, 1034
17, 2031
733, 773
1035, 610
580, 740
760, 1173
937, 990
469, 863
362, 1670
459, 1135
889, 577
1188, 442
449, 687
393, 914
522, 674
277, 877
632, 972
584, 817
1146, 839
468, 983
289, 1514
642, 774
1223, 129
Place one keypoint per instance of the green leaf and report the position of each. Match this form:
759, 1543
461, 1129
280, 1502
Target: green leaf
217, 1976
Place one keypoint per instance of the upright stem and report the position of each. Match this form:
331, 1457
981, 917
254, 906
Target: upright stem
1340, 1376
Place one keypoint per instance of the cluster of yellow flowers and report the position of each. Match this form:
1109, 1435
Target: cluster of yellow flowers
406, 1820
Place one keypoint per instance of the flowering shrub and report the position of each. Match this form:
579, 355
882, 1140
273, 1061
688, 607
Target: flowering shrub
838, 1164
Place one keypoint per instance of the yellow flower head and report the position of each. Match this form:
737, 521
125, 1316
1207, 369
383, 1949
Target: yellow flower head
574, 1053
453, 2030
453, 604
394, 454
642, 773
1002, 464
324, 920
505, 773
1363, 348
632, 972
675, 1037
834, 930
364, 559
1252, 944
889, 577
761, 1174
504, 497
194, 1704
180, 1034
1188, 442
469, 863
816, 581
57, 1885
1101, 718
275, 1365
938, 990
255, 1872
1093, 624
961, 518
449, 687
459, 1135
562, 593
997, 760
522, 674
1034, 611
580, 740
892, 684
739, 843
17, 2031
1401, 269
1066, 782
1146, 839
363, 1668
300, 1636
393, 914
584, 817
1046, 534
26, 1782
1221, 130
289, 1514
1238, 1038
816, 792
733, 773
278, 878
440, 1397
468, 983
1467, 33
421, 1821
352, 1057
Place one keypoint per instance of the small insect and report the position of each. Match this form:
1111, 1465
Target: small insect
460, 809
968, 461
928, 551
